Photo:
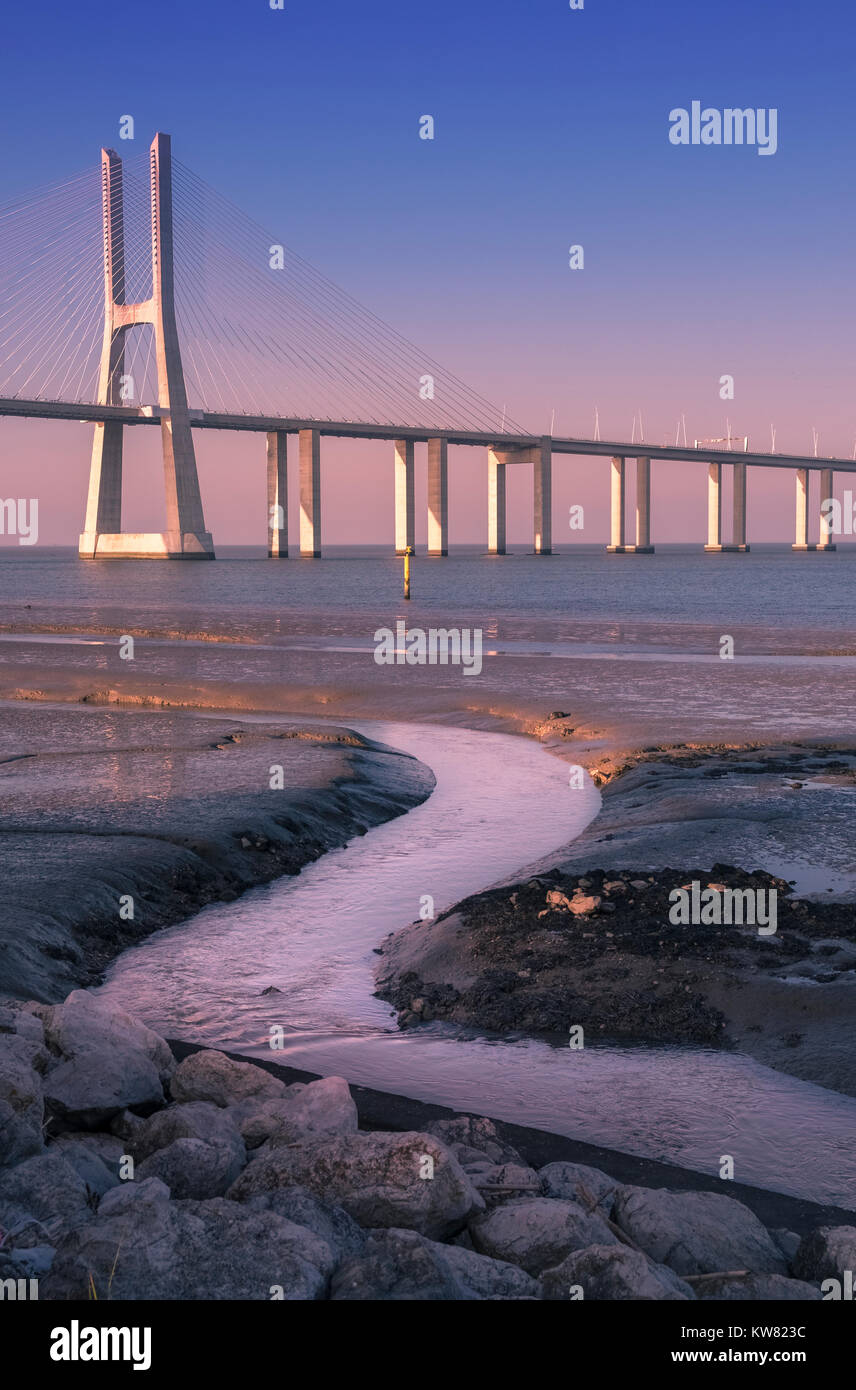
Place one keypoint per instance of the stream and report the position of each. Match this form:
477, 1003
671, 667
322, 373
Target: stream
501, 803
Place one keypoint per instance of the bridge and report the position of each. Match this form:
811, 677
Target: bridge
147, 299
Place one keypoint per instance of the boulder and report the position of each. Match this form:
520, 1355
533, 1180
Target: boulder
86, 1091
18, 1138
787, 1241
401, 1265
46, 1187
88, 1023
474, 1132
196, 1119
826, 1253
578, 1183
20, 1083
336, 1228
613, 1272
213, 1076
537, 1233
86, 1163
193, 1169
380, 1179
106, 1147
504, 1182
696, 1232
479, 1276
759, 1288
141, 1245
19, 1229
30, 1262
15, 1019
304, 1112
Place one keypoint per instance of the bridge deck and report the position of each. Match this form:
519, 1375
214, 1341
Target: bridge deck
344, 429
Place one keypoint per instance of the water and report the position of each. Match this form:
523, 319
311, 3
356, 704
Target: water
500, 803
770, 589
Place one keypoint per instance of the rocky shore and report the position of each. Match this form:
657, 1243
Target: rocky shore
128, 1174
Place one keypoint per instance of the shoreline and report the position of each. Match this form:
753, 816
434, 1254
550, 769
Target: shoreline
101, 862
583, 937
388, 1111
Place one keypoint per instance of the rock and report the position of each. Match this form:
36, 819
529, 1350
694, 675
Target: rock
20, 1083
482, 1277
215, 1077
615, 885
141, 1245
17, 1269
18, 1138
87, 1023
504, 1182
107, 1147
126, 1126
638, 883
197, 1119
401, 1265
578, 1183
826, 1253
537, 1233
474, 1132
304, 1112
19, 1229
90, 1088
193, 1169
375, 1177
48, 1188
757, 1288
32, 1262
788, 1242
333, 1224
17, 1020
696, 1232
580, 904
613, 1272
86, 1163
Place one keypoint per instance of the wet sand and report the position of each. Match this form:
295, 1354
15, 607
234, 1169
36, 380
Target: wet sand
117, 823
755, 771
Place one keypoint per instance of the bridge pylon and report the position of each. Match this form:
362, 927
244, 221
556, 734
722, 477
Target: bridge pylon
185, 537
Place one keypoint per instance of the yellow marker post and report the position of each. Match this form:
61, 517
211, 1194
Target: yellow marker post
407, 554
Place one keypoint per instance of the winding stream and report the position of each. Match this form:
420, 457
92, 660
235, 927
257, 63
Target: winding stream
501, 803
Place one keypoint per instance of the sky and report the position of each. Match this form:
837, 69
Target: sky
551, 129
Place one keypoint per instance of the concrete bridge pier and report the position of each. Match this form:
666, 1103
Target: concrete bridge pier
803, 481
277, 494
310, 493
618, 496
714, 509
616, 510
438, 497
542, 498
495, 502
405, 511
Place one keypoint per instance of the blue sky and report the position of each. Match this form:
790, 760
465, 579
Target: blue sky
551, 128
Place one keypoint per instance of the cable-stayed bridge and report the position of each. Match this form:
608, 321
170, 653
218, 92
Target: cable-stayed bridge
143, 297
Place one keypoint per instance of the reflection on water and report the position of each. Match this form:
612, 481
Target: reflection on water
500, 803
